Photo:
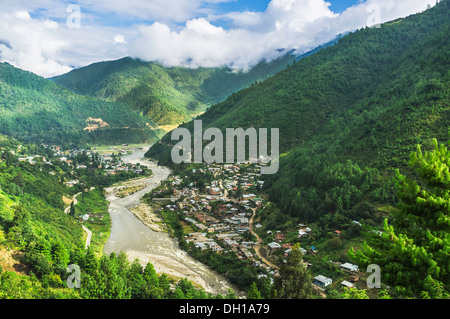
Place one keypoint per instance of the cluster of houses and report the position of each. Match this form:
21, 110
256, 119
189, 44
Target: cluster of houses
111, 164
221, 221
322, 282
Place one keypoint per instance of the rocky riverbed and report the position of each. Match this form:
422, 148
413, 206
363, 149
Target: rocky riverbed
145, 239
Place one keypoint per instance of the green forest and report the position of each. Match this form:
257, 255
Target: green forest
365, 161
349, 116
35, 109
166, 95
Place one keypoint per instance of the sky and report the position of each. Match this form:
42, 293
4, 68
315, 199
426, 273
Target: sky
53, 37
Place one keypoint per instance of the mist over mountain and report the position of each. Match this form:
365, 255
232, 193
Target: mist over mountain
352, 110
363, 178
166, 95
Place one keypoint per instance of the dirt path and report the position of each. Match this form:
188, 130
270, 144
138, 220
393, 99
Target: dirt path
258, 245
88, 232
74, 201
88, 238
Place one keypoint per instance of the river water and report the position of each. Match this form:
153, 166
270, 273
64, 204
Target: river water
130, 235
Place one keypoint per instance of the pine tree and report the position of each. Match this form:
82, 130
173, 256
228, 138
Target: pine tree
150, 275
72, 210
60, 254
414, 252
90, 263
294, 282
253, 292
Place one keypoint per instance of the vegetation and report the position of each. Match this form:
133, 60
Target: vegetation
37, 110
167, 96
348, 115
414, 250
294, 281
359, 109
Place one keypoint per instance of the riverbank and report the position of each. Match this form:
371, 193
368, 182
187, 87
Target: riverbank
140, 238
149, 218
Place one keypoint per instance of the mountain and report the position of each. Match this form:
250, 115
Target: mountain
167, 95
347, 115
36, 109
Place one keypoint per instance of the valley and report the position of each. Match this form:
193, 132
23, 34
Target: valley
88, 175
131, 236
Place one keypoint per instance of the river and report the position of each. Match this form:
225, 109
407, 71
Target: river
130, 235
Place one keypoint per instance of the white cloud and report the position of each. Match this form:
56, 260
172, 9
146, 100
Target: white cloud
31, 45
290, 24
48, 48
35, 37
22, 15
120, 39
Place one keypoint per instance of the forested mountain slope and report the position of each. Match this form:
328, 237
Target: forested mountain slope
36, 109
167, 95
347, 115
39, 240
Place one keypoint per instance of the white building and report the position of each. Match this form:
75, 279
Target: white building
350, 267
274, 245
322, 281
347, 284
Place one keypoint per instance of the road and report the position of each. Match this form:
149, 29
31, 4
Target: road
89, 236
89, 233
74, 200
258, 245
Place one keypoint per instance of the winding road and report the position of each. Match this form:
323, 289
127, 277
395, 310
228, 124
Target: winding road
89, 236
88, 232
74, 201
257, 247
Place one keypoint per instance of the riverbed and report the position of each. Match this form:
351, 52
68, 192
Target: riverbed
130, 235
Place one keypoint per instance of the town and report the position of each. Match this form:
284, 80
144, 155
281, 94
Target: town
217, 205
108, 160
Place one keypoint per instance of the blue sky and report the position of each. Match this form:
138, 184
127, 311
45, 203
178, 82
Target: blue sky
37, 35
103, 16
261, 5
337, 6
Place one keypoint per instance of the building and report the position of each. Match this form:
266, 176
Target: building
347, 284
302, 233
200, 246
322, 281
350, 267
274, 245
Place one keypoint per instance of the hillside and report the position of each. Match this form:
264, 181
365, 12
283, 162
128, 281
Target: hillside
41, 236
35, 109
166, 95
348, 115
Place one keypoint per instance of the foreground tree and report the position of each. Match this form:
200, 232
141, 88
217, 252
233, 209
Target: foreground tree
294, 282
414, 252
253, 292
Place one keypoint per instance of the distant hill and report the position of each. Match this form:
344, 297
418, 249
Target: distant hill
36, 109
348, 114
166, 95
